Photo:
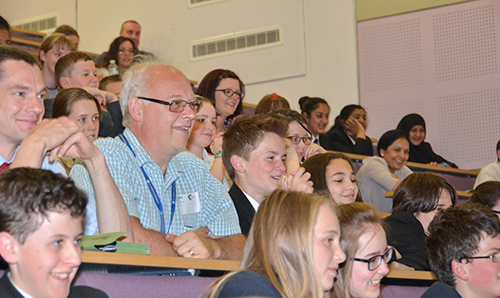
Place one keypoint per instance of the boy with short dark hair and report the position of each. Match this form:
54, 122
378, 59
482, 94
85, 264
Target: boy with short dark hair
41, 217
253, 152
463, 248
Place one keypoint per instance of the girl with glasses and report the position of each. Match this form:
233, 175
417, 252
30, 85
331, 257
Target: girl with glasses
226, 92
299, 145
364, 243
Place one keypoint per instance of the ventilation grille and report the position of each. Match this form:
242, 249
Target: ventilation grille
236, 43
46, 24
194, 3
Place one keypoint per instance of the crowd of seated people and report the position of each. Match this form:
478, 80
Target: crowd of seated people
183, 172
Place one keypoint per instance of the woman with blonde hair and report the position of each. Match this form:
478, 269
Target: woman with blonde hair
281, 250
364, 243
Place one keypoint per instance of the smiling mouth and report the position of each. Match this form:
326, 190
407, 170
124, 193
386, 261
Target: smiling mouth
374, 282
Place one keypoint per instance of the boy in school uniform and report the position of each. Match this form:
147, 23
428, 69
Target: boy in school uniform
253, 153
41, 217
463, 249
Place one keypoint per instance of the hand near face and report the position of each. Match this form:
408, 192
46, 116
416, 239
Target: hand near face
354, 128
298, 181
196, 242
313, 149
104, 97
52, 133
217, 143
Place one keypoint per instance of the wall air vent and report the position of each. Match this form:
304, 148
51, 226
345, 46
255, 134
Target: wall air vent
45, 24
195, 3
238, 42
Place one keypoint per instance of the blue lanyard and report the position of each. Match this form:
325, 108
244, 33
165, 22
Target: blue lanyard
154, 193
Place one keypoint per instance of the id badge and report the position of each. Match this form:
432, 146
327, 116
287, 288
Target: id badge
188, 203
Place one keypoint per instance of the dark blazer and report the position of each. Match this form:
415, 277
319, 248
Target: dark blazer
243, 208
248, 284
407, 235
325, 141
441, 290
7, 290
339, 141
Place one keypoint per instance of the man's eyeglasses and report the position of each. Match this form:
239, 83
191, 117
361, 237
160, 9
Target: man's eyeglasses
495, 258
375, 261
229, 93
121, 51
176, 105
296, 140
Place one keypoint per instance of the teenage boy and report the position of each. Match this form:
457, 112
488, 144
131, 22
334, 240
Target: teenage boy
463, 249
253, 153
78, 71
41, 216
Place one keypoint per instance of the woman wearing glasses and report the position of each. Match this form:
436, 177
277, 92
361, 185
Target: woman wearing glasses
299, 146
226, 91
122, 50
332, 175
417, 200
364, 243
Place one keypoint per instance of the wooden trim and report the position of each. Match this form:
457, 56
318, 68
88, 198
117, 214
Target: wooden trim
411, 274
421, 166
25, 41
28, 31
97, 257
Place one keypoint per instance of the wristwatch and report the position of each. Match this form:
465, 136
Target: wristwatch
218, 154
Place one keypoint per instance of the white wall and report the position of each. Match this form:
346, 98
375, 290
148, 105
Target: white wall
328, 68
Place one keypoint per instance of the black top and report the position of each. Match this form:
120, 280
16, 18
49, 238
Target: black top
407, 235
244, 208
340, 141
423, 153
7, 290
248, 284
441, 290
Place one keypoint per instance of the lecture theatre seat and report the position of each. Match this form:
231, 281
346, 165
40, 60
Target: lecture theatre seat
142, 286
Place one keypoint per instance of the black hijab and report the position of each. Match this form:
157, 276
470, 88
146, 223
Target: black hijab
422, 153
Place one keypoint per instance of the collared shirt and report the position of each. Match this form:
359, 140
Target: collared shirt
90, 226
23, 293
252, 201
190, 174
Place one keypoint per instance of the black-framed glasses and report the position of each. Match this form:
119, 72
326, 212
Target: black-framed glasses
296, 140
495, 258
230, 92
176, 105
375, 261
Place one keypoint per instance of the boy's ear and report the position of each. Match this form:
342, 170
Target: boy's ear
238, 164
459, 269
64, 81
8, 248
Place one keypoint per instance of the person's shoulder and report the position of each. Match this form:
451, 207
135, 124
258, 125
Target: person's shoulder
373, 160
441, 290
187, 160
110, 145
84, 291
248, 283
